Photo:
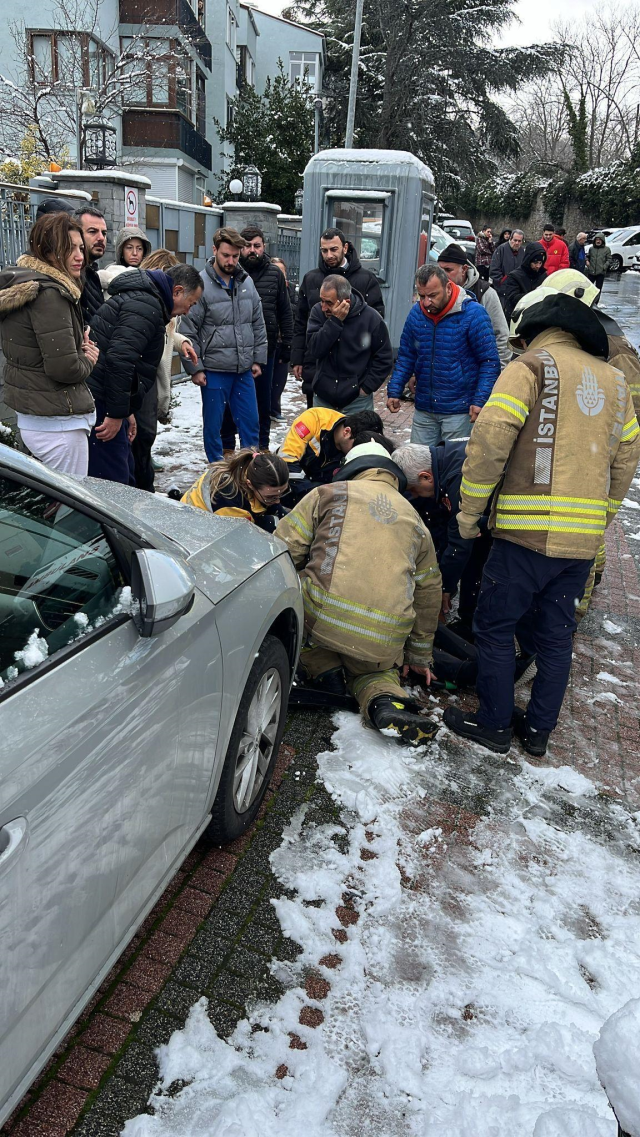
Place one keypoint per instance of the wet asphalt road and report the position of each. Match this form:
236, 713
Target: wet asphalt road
621, 299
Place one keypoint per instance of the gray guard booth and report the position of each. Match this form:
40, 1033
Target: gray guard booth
383, 202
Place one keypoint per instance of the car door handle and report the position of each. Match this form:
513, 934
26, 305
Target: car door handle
12, 839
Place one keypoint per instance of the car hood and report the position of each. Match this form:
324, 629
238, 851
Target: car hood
222, 552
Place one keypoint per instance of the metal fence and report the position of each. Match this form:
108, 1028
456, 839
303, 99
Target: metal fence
15, 222
288, 249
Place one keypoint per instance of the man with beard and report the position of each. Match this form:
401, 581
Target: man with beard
337, 258
226, 328
271, 287
94, 231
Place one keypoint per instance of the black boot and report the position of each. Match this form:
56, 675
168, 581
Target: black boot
467, 726
330, 682
533, 741
402, 719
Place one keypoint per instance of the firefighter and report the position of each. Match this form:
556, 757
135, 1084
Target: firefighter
316, 443
622, 355
371, 589
558, 441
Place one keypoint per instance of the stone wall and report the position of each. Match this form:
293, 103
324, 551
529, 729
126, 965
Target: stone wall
574, 220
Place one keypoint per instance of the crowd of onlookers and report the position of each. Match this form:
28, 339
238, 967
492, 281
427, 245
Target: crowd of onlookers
520, 384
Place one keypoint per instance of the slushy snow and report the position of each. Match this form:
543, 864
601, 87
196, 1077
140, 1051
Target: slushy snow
473, 986
617, 1053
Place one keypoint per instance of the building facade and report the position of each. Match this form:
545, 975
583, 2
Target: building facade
144, 83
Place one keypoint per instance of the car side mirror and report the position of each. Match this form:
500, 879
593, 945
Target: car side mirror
164, 587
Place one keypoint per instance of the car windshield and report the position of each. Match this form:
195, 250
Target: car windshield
461, 232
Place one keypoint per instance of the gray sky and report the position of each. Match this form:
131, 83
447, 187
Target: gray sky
536, 17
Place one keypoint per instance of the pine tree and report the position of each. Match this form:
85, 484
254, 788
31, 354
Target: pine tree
427, 80
274, 132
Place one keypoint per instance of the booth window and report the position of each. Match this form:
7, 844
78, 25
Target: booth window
362, 223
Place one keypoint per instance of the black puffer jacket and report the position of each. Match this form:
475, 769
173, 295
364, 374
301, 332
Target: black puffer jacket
351, 354
271, 287
129, 329
360, 279
524, 279
92, 295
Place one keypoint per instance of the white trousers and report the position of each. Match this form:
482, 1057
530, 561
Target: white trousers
63, 450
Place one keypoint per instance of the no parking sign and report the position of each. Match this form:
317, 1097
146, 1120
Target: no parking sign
130, 206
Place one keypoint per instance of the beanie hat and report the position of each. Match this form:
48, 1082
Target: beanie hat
454, 255
52, 205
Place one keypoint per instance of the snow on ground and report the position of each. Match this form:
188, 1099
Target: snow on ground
179, 448
471, 989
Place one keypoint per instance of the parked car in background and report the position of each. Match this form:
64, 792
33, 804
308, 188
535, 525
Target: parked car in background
624, 245
462, 232
146, 656
439, 241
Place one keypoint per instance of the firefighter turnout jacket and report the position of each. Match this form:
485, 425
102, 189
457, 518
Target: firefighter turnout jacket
370, 580
559, 441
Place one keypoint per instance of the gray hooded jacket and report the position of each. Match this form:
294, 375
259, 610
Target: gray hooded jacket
226, 327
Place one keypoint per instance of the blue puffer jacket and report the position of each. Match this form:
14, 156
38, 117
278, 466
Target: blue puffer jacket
455, 361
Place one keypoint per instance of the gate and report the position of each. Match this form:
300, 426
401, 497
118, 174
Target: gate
288, 249
15, 222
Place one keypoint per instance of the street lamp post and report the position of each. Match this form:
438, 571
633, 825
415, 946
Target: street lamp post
353, 83
252, 183
317, 107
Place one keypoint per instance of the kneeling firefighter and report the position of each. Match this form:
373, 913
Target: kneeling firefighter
371, 589
316, 443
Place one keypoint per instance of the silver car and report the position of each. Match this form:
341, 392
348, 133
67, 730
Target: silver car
146, 655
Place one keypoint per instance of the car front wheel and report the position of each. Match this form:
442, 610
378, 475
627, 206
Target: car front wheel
254, 744
616, 263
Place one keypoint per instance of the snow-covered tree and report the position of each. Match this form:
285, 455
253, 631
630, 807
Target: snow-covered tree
428, 78
274, 132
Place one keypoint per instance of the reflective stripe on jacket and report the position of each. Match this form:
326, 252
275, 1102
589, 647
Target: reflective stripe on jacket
370, 581
560, 440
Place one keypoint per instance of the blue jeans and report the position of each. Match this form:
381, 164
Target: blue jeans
516, 580
429, 429
360, 403
227, 388
263, 397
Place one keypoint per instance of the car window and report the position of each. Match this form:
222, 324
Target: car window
59, 578
363, 224
463, 231
634, 240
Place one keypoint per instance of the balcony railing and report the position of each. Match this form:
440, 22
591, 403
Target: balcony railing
166, 129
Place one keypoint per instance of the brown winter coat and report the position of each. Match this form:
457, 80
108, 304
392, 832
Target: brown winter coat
559, 439
370, 580
41, 327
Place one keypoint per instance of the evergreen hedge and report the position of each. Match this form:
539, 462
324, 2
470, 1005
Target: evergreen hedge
609, 193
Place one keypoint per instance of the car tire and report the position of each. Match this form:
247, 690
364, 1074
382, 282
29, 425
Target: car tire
617, 263
253, 747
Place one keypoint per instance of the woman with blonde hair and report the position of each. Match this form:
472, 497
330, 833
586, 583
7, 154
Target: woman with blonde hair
157, 402
248, 485
47, 350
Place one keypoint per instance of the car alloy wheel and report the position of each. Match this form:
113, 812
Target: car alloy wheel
258, 739
616, 263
